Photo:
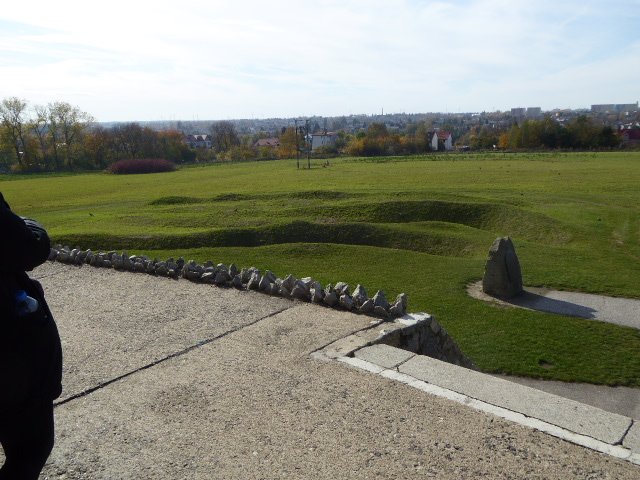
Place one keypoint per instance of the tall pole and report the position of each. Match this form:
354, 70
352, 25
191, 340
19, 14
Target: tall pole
309, 145
297, 144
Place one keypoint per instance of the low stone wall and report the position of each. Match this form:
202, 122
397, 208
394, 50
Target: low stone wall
419, 333
305, 289
422, 334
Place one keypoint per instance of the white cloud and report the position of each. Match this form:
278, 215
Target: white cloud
224, 59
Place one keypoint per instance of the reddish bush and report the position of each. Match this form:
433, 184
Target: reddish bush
143, 165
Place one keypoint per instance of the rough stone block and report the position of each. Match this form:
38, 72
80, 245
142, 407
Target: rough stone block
502, 274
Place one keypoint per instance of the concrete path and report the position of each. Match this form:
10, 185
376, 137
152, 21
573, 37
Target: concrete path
622, 400
577, 422
621, 311
172, 380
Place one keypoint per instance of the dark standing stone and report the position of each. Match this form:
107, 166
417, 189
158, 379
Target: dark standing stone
502, 274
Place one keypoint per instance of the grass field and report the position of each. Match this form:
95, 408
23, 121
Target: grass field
422, 225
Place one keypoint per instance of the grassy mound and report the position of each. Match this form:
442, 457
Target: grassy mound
420, 225
496, 218
388, 236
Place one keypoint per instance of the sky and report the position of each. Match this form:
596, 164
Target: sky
142, 60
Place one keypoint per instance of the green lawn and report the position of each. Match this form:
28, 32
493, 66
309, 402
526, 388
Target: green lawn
421, 225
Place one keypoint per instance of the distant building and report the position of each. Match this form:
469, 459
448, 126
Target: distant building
442, 140
534, 112
627, 107
603, 108
320, 140
614, 108
268, 142
518, 112
198, 141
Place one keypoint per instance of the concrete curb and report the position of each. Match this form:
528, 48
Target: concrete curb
584, 425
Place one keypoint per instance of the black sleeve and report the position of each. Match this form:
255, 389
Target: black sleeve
24, 244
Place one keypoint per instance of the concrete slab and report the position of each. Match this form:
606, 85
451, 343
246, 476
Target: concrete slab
252, 404
384, 355
632, 440
577, 417
621, 400
115, 323
344, 347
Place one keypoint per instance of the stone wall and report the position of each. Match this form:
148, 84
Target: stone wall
422, 334
305, 289
416, 332
419, 333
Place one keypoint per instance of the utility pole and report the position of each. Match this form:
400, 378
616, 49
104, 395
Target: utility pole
309, 145
297, 144
304, 131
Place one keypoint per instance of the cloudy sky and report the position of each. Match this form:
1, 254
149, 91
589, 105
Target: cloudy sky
222, 59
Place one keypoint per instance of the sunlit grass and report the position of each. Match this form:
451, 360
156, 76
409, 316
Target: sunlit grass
422, 225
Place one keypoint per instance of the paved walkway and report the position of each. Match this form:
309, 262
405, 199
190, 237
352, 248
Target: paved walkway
622, 400
621, 311
168, 380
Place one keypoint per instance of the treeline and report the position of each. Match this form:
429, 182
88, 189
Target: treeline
60, 136
378, 141
580, 133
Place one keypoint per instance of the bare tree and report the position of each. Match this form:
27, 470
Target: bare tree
40, 126
67, 126
224, 136
13, 121
131, 141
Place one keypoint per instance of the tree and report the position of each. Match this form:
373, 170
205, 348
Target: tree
288, 143
40, 126
14, 130
515, 137
583, 132
423, 134
97, 145
528, 134
67, 125
173, 148
128, 141
224, 136
377, 130
550, 133
503, 140
607, 138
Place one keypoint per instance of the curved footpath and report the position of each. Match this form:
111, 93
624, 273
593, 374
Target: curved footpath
621, 311
168, 379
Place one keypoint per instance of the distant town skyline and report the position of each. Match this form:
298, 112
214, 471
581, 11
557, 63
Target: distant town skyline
197, 60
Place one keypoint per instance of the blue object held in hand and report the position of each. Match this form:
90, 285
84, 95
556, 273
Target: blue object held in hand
25, 304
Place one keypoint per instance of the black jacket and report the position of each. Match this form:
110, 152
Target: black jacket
30, 350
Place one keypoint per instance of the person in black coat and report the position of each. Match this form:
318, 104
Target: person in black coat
30, 351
